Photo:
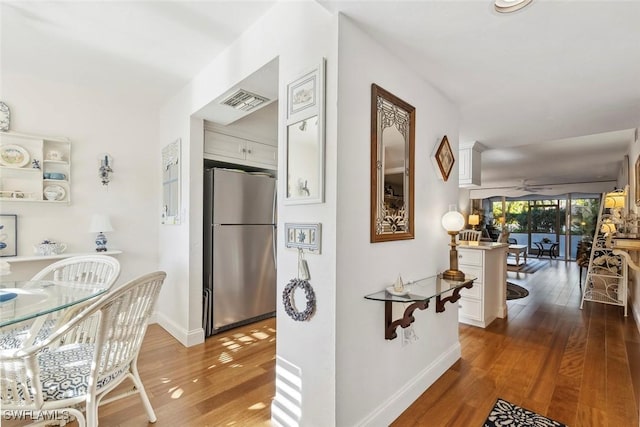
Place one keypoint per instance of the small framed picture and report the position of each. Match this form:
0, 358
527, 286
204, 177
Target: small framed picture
444, 158
8, 235
304, 95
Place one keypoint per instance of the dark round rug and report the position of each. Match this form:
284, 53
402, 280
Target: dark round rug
515, 291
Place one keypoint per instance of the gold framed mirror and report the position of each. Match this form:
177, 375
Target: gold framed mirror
392, 167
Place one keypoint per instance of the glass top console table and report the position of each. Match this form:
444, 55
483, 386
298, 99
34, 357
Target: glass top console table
418, 293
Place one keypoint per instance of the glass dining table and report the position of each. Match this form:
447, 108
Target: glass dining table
24, 300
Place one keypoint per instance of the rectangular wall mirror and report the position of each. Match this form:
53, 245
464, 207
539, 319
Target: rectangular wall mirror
305, 138
171, 183
392, 166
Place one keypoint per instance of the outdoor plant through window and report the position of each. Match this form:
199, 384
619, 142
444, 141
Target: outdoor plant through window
545, 220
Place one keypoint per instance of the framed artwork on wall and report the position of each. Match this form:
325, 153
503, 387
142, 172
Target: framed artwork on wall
8, 235
444, 158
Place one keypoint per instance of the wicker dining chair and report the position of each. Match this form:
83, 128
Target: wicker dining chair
64, 374
470, 235
90, 270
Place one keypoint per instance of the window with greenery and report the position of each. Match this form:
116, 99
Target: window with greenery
536, 219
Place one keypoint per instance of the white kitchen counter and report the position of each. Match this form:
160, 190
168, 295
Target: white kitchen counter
484, 246
487, 299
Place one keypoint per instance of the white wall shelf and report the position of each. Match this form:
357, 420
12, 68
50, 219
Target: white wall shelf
30, 258
27, 183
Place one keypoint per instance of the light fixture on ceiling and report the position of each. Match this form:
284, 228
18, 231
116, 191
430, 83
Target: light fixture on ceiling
506, 6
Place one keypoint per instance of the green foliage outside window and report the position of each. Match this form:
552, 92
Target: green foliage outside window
547, 216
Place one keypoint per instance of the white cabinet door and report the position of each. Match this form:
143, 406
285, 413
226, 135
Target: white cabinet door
219, 144
262, 153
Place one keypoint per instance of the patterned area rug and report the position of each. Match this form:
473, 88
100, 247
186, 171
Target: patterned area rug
531, 266
508, 414
515, 291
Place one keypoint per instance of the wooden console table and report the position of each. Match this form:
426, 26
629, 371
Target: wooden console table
419, 293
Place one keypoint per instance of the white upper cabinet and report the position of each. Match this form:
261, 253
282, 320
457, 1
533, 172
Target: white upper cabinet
470, 163
239, 149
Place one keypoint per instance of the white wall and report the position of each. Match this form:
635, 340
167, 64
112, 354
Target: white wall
95, 121
299, 34
634, 283
377, 379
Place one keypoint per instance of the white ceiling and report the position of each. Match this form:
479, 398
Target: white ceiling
529, 85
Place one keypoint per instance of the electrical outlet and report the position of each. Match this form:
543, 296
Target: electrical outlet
408, 335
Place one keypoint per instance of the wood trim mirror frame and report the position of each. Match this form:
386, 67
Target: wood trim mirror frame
392, 167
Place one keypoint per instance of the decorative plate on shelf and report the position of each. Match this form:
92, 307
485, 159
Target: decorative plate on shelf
13, 155
54, 192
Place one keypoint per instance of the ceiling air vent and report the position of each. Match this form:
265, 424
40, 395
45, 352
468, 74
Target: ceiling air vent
244, 100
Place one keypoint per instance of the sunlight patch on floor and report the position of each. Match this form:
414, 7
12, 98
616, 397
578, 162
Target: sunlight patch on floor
225, 357
257, 406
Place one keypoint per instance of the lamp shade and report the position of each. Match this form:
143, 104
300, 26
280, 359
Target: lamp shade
474, 219
100, 223
608, 227
453, 221
613, 200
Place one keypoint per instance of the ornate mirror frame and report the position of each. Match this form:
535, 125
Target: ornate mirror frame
391, 215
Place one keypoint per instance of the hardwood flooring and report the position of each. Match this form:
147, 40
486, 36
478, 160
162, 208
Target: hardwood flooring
227, 381
579, 367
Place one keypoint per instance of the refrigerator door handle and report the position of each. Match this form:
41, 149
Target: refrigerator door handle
275, 227
273, 245
275, 204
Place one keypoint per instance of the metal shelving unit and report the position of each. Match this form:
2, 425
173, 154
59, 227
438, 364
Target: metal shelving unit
607, 276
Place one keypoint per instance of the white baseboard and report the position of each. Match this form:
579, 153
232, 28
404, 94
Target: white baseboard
396, 404
186, 338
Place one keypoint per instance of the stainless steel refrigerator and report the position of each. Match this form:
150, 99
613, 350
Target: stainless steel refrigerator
239, 248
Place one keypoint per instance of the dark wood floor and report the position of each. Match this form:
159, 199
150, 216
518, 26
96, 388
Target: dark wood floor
580, 367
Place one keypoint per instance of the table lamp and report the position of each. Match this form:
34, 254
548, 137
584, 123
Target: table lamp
453, 222
100, 224
614, 199
474, 220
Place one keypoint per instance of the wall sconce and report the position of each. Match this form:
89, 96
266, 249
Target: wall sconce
105, 170
474, 220
100, 224
453, 222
